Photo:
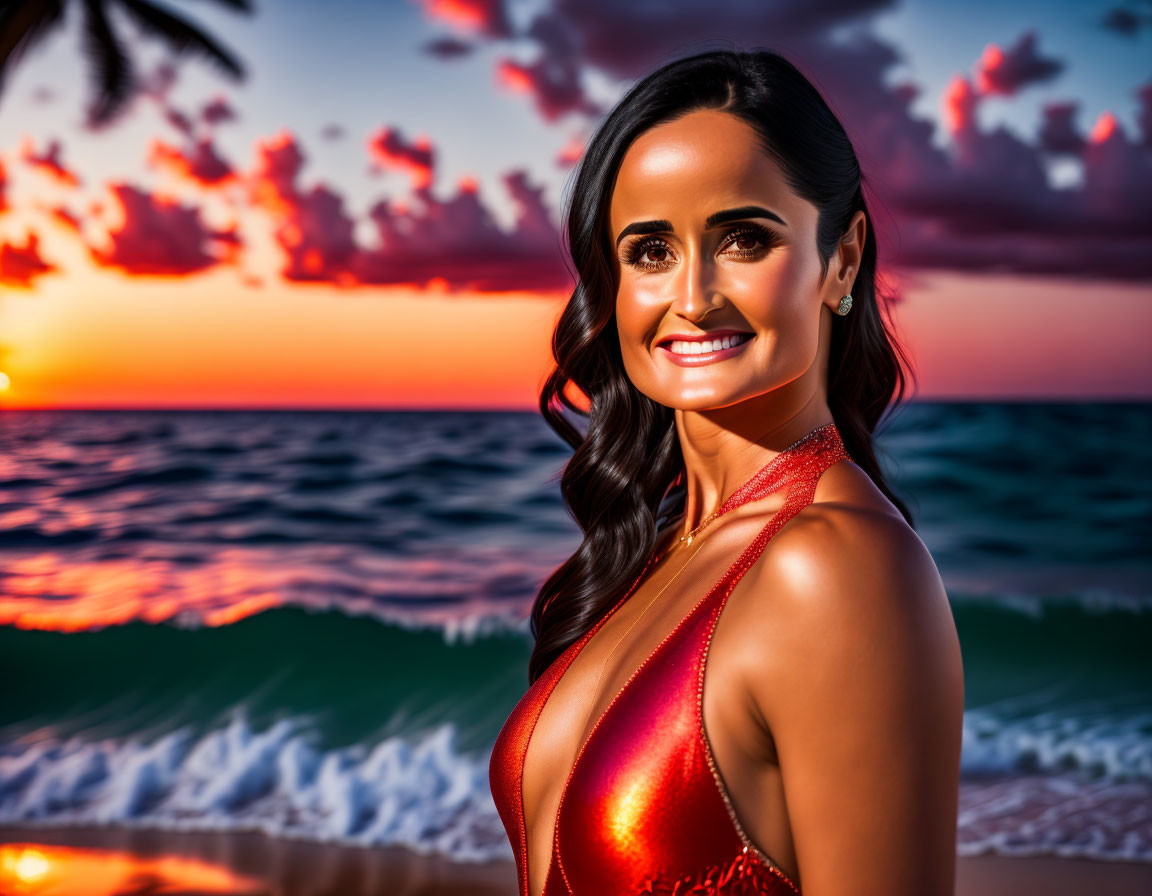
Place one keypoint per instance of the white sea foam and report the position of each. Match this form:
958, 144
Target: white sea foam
423, 794
1100, 742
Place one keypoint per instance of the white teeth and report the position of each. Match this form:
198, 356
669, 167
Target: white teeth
684, 347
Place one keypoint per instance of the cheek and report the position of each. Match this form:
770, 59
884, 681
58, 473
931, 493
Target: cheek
781, 301
776, 295
637, 316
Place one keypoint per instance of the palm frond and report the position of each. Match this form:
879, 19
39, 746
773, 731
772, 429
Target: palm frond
113, 68
23, 24
238, 5
181, 34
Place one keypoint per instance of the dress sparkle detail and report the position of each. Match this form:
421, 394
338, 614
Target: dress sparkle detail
644, 808
743, 875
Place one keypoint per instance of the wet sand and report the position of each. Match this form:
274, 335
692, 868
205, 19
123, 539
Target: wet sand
106, 861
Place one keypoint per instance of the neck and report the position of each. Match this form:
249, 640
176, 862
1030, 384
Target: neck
723, 450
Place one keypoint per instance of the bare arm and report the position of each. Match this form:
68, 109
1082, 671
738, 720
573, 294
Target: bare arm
862, 689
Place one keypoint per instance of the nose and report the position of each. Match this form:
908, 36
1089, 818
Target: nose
698, 290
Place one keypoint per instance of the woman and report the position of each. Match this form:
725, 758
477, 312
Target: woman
726, 332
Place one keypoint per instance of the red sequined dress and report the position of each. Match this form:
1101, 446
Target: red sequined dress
643, 809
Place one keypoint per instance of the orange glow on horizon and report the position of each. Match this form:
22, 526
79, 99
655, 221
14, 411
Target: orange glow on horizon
101, 338
32, 868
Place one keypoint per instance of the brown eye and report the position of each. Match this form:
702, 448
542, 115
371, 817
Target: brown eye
637, 250
749, 241
759, 236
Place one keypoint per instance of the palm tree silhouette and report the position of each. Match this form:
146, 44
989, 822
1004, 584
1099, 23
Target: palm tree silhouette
24, 23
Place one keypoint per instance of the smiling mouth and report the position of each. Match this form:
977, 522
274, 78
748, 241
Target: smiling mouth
688, 348
699, 353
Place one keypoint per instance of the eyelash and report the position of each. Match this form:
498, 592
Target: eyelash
638, 248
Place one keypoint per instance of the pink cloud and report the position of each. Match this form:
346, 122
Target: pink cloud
1117, 180
457, 242
960, 102
217, 110
555, 79
1006, 72
448, 48
985, 202
20, 265
199, 164
311, 226
419, 240
49, 163
554, 87
179, 120
1058, 133
161, 237
487, 17
1144, 115
570, 152
69, 219
388, 148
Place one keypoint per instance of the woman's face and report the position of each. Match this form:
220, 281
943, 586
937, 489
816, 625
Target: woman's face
752, 278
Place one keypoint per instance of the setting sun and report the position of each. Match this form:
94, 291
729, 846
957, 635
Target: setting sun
4, 381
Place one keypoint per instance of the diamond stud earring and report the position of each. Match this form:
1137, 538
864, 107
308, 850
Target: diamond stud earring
845, 305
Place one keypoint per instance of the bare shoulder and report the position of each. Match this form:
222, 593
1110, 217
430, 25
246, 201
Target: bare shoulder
852, 540
846, 583
851, 663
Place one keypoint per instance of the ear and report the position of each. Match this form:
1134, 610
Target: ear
845, 262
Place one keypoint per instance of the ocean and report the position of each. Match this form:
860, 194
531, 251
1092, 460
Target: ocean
313, 623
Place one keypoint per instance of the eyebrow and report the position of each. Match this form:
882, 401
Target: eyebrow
662, 225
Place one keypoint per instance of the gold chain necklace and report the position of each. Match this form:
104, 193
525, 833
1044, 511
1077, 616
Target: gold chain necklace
596, 687
687, 539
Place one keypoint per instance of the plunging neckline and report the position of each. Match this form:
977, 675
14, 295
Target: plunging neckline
579, 648
742, 495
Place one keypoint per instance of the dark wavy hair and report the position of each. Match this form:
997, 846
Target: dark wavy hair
626, 480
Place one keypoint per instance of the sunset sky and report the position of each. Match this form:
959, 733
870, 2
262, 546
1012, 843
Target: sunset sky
371, 218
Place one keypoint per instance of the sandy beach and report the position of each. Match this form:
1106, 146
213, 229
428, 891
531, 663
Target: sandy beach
107, 861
